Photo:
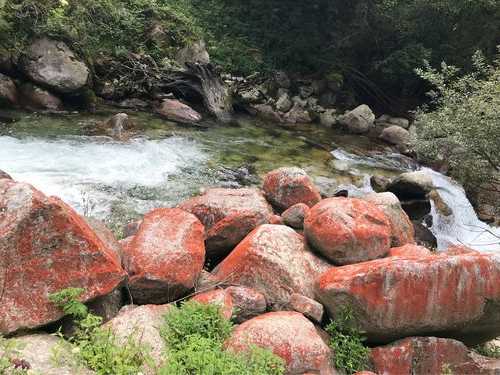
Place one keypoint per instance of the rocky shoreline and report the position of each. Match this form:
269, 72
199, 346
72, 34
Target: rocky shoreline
281, 260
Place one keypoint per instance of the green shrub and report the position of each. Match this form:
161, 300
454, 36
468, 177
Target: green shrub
462, 126
194, 335
97, 348
346, 342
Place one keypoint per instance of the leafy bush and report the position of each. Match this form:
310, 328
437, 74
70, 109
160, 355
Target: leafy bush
194, 335
97, 348
95, 27
462, 126
346, 342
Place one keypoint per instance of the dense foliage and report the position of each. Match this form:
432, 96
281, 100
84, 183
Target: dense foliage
462, 128
346, 341
97, 348
194, 335
375, 45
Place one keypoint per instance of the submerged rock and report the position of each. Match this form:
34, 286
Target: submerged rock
358, 121
228, 215
431, 355
165, 257
348, 230
447, 295
286, 187
288, 335
176, 111
275, 261
52, 64
46, 247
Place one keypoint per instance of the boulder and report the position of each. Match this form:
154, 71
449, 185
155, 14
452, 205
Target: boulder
411, 185
4, 175
402, 231
284, 104
266, 112
43, 354
297, 115
348, 230
166, 256
8, 91
34, 97
288, 335
237, 302
274, 260
410, 250
142, 324
396, 135
295, 215
307, 306
447, 295
52, 64
386, 121
228, 215
118, 127
358, 121
282, 80
176, 111
45, 247
431, 355
379, 183
285, 187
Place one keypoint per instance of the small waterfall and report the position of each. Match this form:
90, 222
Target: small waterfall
463, 225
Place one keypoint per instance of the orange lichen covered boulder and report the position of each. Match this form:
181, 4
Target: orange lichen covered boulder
228, 216
409, 251
402, 230
290, 336
274, 260
45, 246
430, 355
452, 296
285, 187
348, 230
165, 257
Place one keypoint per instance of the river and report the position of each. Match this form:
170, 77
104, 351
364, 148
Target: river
165, 163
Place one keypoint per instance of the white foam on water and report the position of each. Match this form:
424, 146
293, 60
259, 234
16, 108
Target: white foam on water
462, 227
72, 168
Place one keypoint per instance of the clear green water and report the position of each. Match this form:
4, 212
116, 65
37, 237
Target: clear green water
164, 163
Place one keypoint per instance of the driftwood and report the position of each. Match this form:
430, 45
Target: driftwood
140, 76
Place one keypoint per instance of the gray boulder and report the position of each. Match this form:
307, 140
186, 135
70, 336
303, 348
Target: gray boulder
52, 64
386, 121
298, 115
44, 354
328, 118
396, 135
411, 185
358, 121
8, 91
34, 97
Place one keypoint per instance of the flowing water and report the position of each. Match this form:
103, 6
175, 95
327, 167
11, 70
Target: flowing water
165, 163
